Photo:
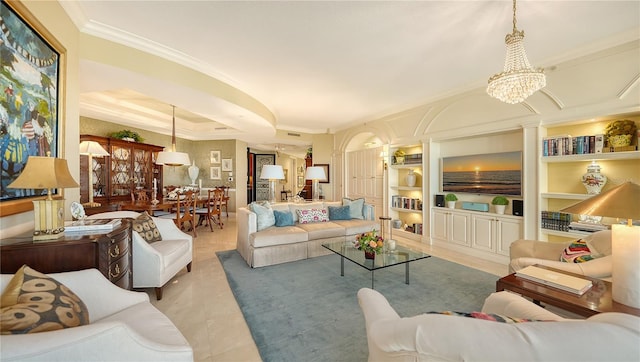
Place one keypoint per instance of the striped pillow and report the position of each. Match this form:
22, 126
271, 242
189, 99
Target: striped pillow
576, 252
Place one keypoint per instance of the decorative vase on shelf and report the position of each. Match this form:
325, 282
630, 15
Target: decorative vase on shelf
410, 178
593, 180
193, 172
369, 254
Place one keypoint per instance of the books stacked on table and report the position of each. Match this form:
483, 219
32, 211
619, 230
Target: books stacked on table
555, 279
91, 226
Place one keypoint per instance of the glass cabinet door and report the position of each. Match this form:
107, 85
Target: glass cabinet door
121, 181
142, 178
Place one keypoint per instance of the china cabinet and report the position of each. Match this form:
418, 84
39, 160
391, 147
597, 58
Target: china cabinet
130, 166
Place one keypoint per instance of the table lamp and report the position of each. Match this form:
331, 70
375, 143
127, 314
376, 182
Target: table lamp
46, 173
620, 202
92, 149
315, 173
272, 173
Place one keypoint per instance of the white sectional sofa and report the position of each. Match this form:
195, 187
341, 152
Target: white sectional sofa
275, 245
438, 337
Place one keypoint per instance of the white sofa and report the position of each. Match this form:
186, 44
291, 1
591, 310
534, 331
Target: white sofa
437, 337
529, 252
275, 245
124, 326
154, 264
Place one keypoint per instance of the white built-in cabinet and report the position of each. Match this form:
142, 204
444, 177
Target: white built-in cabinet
365, 175
482, 234
451, 226
494, 234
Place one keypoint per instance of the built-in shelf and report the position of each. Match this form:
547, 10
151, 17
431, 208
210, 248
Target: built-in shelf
564, 195
406, 188
405, 210
407, 235
566, 234
593, 156
407, 166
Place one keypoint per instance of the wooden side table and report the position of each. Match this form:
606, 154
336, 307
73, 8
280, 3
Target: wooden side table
596, 300
108, 252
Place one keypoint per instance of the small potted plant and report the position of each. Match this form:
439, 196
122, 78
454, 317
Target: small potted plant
399, 157
500, 202
127, 135
451, 200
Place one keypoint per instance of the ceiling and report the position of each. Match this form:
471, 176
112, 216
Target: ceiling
320, 66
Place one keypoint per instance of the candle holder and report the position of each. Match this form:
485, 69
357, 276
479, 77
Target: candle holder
154, 196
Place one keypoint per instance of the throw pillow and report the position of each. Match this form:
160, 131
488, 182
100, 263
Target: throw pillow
308, 216
339, 213
487, 316
264, 214
146, 228
283, 218
576, 252
599, 243
355, 207
33, 302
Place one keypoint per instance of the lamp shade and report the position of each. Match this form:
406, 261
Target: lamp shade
272, 172
619, 202
172, 158
315, 173
44, 173
92, 148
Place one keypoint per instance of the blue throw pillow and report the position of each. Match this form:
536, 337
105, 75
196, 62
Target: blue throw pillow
355, 207
283, 218
339, 213
264, 215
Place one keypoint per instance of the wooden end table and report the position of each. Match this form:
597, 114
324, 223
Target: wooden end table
596, 300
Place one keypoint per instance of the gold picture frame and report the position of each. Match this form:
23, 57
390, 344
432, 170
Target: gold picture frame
36, 50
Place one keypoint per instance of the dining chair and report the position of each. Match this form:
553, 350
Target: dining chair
211, 211
225, 198
184, 212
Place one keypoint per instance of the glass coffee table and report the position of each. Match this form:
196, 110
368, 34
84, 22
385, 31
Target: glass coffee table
400, 255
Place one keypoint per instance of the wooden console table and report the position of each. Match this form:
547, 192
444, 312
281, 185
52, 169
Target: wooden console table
108, 252
596, 300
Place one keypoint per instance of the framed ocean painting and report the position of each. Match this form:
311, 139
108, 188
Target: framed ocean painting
491, 173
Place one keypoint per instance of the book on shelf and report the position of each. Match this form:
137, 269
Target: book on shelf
93, 225
555, 279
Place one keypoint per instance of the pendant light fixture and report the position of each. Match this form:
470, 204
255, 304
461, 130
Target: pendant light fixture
173, 158
519, 79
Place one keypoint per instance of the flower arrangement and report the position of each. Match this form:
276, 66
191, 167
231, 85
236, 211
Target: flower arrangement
175, 193
369, 242
500, 200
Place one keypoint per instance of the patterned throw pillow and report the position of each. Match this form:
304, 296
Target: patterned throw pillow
355, 207
339, 213
487, 316
264, 214
576, 252
283, 218
146, 228
33, 302
307, 216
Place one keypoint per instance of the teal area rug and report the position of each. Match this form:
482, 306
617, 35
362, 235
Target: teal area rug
305, 311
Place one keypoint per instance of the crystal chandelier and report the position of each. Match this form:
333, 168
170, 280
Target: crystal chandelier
519, 79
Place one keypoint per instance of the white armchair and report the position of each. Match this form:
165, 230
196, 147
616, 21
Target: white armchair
124, 326
154, 264
529, 252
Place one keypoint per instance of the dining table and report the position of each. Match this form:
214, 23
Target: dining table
163, 205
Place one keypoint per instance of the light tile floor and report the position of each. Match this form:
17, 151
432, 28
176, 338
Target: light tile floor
202, 305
